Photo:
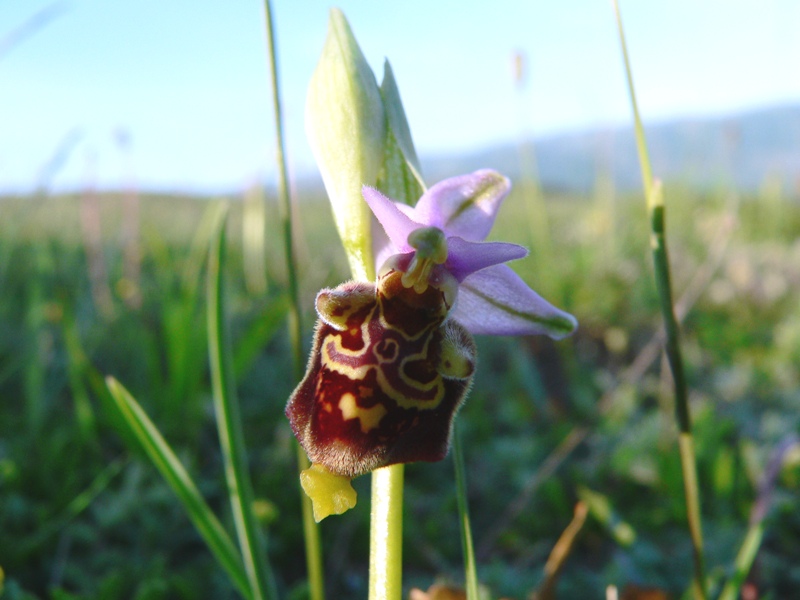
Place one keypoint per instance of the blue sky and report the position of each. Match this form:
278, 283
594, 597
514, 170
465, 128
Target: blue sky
185, 83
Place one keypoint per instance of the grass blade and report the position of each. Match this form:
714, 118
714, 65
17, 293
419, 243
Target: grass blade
755, 532
226, 407
467, 547
559, 554
655, 206
316, 577
744, 561
285, 208
149, 438
600, 507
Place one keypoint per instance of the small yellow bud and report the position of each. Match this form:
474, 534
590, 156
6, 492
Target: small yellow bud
330, 494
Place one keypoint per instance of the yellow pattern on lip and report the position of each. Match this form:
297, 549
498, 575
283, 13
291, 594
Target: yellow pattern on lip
369, 418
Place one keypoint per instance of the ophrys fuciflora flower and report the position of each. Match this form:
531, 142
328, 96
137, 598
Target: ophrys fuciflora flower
392, 361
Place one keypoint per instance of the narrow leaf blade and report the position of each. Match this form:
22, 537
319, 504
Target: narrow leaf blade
155, 446
229, 426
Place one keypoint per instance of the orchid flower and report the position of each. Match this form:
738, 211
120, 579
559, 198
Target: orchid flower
393, 361
492, 299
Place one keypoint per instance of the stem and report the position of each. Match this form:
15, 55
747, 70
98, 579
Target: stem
467, 546
285, 206
316, 576
386, 534
692, 499
655, 205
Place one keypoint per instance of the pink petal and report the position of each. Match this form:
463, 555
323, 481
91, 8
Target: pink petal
395, 223
382, 247
465, 258
495, 301
465, 205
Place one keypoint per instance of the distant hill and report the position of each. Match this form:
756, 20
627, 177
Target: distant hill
740, 150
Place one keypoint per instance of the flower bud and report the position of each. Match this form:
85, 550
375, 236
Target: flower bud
346, 127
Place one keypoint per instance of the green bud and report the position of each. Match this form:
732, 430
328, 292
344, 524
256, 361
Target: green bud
346, 127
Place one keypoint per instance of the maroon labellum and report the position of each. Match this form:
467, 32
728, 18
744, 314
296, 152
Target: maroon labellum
387, 372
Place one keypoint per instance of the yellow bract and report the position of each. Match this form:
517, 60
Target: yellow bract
330, 494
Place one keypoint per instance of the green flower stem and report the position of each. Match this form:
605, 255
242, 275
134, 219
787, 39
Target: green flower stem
655, 205
386, 534
229, 425
467, 546
316, 576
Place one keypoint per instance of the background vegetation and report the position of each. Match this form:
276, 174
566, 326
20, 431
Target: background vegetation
113, 284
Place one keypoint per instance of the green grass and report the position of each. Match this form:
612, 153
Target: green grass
81, 516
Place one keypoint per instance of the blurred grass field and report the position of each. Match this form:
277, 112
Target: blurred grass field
112, 284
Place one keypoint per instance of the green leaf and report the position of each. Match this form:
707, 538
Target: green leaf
229, 426
140, 427
346, 127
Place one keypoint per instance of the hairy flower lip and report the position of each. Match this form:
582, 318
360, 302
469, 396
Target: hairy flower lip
493, 299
